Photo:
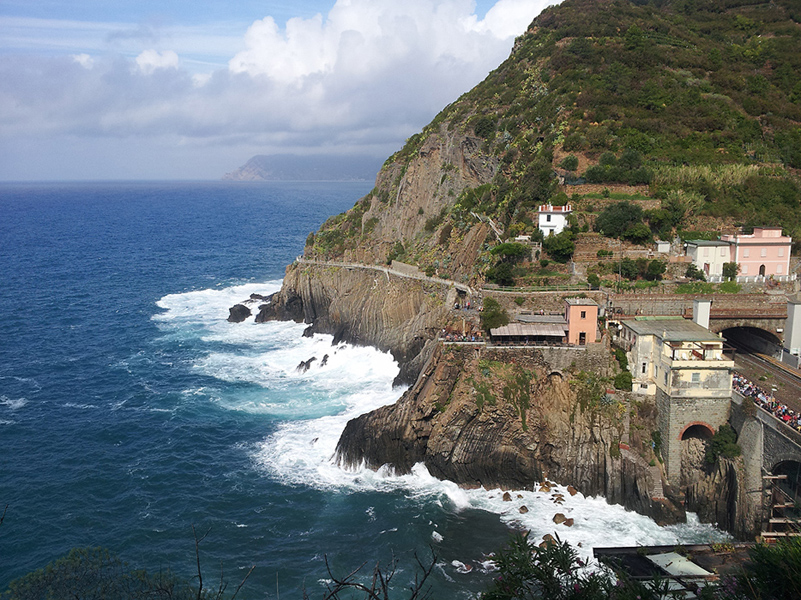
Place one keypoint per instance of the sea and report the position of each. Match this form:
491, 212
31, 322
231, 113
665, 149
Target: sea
133, 416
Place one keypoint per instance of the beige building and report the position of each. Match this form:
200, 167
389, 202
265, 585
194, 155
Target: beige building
688, 369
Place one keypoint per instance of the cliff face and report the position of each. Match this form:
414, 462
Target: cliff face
365, 306
504, 418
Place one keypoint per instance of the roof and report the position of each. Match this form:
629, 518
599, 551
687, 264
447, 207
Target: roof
581, 301
560, 319
532, 329
707, 243
676, 329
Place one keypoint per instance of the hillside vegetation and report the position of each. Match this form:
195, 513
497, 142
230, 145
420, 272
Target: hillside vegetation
694, 105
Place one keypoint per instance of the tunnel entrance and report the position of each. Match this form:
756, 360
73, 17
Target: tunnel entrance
753, 339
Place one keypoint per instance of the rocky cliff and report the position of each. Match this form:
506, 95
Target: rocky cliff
507, 418
365, 306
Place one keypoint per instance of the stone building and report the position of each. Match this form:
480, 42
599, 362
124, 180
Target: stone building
688, 369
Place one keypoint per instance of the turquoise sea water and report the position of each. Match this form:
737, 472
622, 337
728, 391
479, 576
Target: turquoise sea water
131, 410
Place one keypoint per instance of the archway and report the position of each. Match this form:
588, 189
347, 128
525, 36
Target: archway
787, 492
697, 429
695, 439
746, 338
762, 270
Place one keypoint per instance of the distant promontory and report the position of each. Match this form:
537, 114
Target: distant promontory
290, 167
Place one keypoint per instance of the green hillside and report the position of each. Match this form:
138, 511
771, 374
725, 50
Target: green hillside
697, 103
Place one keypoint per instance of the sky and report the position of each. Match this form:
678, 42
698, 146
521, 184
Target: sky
179, 89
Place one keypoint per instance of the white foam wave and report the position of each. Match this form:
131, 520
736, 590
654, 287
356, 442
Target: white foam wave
13, 403
211, 304
81, 406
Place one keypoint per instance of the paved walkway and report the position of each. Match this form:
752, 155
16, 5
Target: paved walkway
388, 271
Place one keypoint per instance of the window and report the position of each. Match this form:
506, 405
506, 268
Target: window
583, 314
722, 251
644, 366
778, 269
548, 218
744, 270
781, 252
696, 378
666, 374
706, 251
764, 251
746, 252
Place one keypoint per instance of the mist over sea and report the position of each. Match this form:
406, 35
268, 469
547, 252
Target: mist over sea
130, 409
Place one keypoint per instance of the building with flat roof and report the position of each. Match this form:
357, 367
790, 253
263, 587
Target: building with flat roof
709, 256
766, 252
581, 315
688, 369
553, 219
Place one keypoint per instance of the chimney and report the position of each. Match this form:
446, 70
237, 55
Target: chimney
701, 310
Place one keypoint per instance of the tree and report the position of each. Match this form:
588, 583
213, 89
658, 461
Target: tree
594, 280
656, 269
510, 251
560, 247
730, 270
615, 220
694, 272
502, 274
569, 163
493, 315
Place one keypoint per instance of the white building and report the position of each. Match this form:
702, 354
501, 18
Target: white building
553, 219
709, 256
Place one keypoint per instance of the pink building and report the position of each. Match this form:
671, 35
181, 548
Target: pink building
581, 315
765, 252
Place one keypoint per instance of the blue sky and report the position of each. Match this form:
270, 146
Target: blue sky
190, 90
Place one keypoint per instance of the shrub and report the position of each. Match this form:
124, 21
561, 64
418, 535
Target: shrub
493, 315
569, 163
724, 443
694, 272
623, 381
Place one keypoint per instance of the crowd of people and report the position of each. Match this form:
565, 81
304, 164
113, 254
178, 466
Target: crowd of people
456, 336
766, 401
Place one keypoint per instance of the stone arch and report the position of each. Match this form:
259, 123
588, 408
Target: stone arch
697, 429
556, 372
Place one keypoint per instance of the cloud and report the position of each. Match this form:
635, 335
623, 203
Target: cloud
361, 78
150, 60
86, 61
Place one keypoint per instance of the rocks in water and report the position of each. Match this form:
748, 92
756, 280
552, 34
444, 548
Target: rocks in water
324, 361
305, 365
309, 332
561, 519
507, 497
238, 313
523, 509
259, 297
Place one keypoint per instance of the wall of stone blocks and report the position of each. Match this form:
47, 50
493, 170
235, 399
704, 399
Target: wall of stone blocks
675, 414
